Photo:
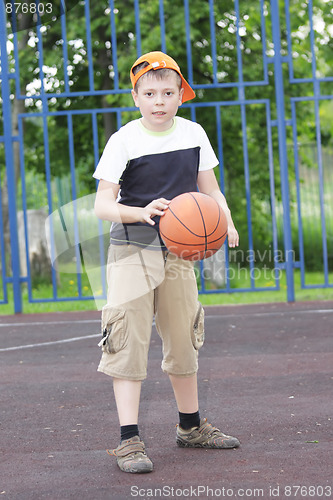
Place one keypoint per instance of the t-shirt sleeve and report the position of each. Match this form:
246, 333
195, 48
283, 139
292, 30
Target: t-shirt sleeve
208, 157
113, 160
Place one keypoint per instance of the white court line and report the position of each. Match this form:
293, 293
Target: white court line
42, 344
283, 313
86, 321
73, 339
41, 323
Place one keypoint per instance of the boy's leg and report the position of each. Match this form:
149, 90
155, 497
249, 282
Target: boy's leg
131, 454
127, 396
179, 320
192, 431
186, 393
127, 321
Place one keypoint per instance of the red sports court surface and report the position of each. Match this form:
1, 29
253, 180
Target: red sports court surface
266, 376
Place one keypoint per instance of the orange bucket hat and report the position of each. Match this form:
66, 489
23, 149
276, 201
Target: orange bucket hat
159, 60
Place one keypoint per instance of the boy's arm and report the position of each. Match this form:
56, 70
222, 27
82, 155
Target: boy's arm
107, 207
208, 184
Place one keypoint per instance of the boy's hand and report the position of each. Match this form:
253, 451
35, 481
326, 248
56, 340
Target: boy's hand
233, 238
156, 207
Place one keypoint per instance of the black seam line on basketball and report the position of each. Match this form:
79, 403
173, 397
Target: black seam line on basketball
191, 244
182, 223
189, 230
185, 243
203, 221
218, 220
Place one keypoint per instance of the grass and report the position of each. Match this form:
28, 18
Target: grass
68, 287
269, 296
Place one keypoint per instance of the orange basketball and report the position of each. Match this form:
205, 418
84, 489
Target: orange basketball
194, 226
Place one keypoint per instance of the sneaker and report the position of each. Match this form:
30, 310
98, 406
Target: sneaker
205, 436
131, 456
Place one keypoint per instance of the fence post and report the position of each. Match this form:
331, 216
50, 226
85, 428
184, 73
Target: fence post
282, 140
9, 160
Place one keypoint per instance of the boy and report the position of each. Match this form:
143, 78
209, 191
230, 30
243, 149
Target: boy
144, 165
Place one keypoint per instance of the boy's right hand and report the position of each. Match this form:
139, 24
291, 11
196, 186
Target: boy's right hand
156, 207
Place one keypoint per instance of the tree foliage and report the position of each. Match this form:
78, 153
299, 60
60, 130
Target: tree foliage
243, 42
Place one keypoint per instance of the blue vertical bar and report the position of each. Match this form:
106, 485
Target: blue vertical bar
24, 203
289, 43
316, 92
74, 202
248, 194
272, 191
16, 55
219, 145
241, 97
89, 48
188, 43
193, 113
114, 45
298, 194
47, 152
162, 26
263, 40
241, 94
213, 39
137, 27
282, 140
119, 119
64, 46
95, 137
9, 159
221, 170
2, 250
202, 277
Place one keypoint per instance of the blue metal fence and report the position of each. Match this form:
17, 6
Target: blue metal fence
258, 98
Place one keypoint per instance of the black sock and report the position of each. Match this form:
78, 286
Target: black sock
128, 431
189, 420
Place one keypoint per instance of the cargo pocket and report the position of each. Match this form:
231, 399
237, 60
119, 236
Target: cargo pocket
198, 331
113, 330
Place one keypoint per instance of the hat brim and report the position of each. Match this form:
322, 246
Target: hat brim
188, 91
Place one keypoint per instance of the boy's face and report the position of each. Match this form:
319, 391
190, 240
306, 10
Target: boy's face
158, 100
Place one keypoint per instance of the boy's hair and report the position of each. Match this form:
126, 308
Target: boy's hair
160, 74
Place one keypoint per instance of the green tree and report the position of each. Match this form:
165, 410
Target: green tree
237, 121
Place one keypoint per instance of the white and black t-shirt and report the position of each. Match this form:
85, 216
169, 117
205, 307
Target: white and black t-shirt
149, 165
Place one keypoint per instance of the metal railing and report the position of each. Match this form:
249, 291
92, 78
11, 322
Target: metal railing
269, 94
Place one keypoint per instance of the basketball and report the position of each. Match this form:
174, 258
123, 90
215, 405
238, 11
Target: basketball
194, 226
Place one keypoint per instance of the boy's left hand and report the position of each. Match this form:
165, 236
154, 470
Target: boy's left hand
233, 237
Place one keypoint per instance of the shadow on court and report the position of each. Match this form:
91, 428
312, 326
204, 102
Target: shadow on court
266, 376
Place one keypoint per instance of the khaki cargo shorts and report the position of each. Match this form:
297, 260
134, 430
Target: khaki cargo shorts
142, 284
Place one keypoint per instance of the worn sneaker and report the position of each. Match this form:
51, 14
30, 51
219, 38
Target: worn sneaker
131, 456
205, 436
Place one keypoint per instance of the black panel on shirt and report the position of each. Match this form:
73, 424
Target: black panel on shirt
163, 175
